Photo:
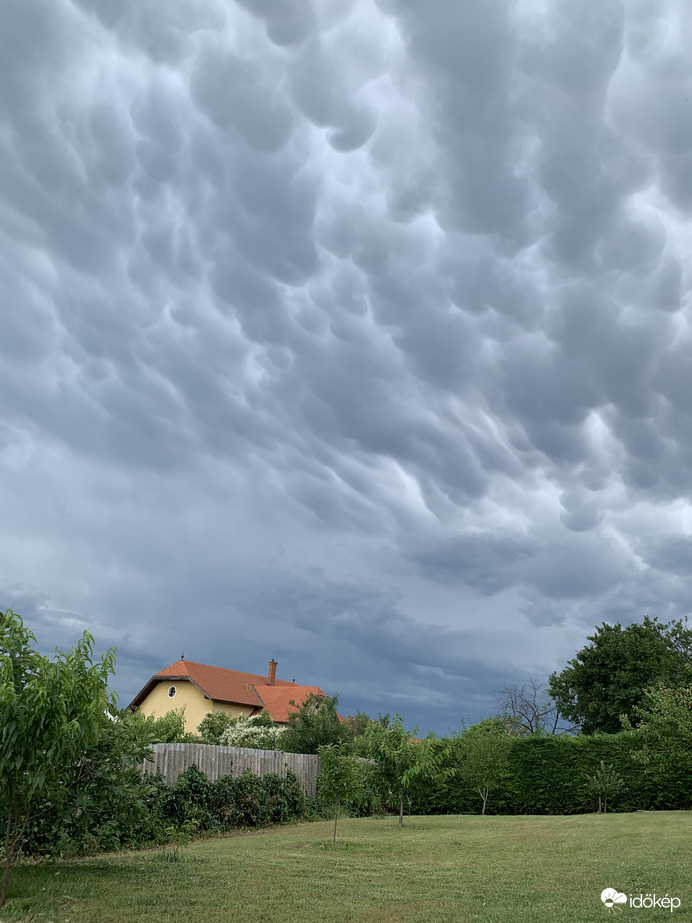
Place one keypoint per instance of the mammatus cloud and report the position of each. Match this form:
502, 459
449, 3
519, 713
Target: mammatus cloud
352, 335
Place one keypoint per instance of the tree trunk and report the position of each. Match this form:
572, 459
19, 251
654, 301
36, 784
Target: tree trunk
401, 811
336, 815
9, 858
10, 832
483, 792
12, 838
600, 805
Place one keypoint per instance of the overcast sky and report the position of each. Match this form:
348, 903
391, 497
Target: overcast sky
352, 333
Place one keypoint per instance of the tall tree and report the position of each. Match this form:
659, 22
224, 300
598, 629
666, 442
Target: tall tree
51, 712
607, 678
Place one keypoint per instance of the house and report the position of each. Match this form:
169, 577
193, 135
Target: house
201, 689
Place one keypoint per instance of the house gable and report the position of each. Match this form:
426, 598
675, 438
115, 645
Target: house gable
188, 696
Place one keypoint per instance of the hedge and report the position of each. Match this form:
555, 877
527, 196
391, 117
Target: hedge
547, 775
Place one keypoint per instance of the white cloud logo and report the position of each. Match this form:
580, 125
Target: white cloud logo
610, 897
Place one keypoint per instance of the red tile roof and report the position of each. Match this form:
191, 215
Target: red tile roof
277, 699
222, 685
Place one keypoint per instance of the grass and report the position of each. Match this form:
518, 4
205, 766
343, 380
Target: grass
461, 869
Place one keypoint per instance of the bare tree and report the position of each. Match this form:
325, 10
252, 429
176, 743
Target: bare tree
529, 709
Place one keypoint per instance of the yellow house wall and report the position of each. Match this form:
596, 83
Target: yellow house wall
158, 703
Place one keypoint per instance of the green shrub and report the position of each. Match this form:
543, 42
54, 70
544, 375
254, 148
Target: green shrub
168, 729
213, 725
250, 801
246, 801
147, 810
286, 799
315, 724
191, 800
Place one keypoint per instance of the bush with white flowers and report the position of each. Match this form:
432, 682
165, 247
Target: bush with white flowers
252, 733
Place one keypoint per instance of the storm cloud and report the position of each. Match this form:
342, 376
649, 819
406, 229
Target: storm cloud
354, 335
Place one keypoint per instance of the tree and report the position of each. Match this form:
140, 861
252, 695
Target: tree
607, 678
606, 783
315, 724
529, 709
484, 750
51, 711
338, 779
664, 728
399, 759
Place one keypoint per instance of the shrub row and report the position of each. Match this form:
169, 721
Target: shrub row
544, 775
149, 813
246, 801
548, 775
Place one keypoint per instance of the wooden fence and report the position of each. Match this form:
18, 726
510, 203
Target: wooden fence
172, 759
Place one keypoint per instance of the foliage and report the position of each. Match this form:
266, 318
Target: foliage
529, 709
314, 725
604, 783
176, 836
265, 720
213, 725
547, 775
148, 812
105, 799
400, 761
664, 729
168, 729
249, 801
286, 799
245, 801
104, 802
607, 678
357, 725
190, 801
257, 733
484, 751
125, 810
338, 780
51, 711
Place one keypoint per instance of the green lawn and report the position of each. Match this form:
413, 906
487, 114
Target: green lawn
434, 869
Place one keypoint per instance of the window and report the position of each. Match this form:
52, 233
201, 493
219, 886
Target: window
171, 692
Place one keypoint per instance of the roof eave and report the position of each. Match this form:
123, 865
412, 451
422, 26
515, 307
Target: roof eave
156, 679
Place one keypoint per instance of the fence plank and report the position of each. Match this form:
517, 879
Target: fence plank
171, 759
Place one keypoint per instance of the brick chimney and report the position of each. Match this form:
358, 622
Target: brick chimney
271, 679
